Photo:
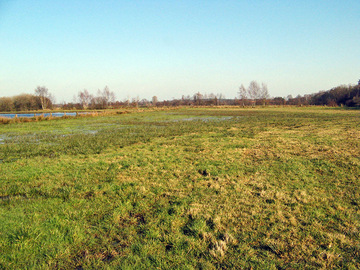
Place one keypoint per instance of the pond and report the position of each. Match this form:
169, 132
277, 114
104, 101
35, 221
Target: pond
30, 115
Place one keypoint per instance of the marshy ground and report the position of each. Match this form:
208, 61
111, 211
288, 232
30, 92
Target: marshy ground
199, 188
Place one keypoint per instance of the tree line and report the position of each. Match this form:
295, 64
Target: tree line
254, 94
41, 99
348, 95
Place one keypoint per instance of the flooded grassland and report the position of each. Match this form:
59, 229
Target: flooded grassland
202, 188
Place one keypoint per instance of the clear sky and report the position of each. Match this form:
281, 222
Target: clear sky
173, 48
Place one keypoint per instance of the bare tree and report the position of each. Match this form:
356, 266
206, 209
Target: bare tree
108, 96
85, 98
45, 97
242, 94
186, 100
97, 102
220, 98
135, 102
127, 101
144, 102
154, 100
104, 98
213, 99
264, 93
198, 98
254, 90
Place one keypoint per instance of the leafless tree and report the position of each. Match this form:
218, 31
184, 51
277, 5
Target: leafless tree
45, 97
144, 102
254, 90
84, 98
221, 99
264, 93
104, 98
127, 101
212, 99
242, 94
135, 102
186, 100
198, 98
108, 96
154, 100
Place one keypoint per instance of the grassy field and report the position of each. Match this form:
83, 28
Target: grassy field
201, 188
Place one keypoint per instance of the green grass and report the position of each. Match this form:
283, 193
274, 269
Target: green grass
201, 188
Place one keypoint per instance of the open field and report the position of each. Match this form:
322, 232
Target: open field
202, 188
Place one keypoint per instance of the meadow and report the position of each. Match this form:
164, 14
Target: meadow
190, 188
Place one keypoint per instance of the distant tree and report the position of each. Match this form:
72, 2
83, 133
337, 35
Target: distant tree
6, 104
354, 102
175, 102
126, 101
103, 98
46, 99
340, 95
254, 91
135, 102
97, 102
186, 100
84, 98
107, 96
264, 93
198, 98
216, 100
144, 102
221, 99
25, 102
212, 99
154, 100
242, 94
278, 101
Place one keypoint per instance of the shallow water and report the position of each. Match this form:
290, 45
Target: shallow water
30, 115
204, 118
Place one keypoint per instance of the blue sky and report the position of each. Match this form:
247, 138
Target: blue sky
174, 48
